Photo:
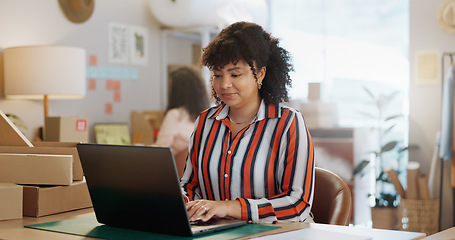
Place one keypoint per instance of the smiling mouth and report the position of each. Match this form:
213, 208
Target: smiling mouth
228, 95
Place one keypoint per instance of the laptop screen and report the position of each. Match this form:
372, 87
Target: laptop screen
135, 187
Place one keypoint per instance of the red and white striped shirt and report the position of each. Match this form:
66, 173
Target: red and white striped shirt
268, 165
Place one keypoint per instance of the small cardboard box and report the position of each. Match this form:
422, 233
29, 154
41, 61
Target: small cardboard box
10, 201
40, 169
145, 126
66, 129
10, 135
41, 200
59, 148
314, 91
319, 114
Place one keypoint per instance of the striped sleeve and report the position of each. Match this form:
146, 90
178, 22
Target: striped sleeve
294, 167
189, 181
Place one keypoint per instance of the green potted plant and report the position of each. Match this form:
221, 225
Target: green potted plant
16, 120
388, 154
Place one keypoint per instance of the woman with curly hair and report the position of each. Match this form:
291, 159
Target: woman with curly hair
250, 157
187, 98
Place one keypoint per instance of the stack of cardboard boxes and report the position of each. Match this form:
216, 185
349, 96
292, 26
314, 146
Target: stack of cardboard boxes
39, 178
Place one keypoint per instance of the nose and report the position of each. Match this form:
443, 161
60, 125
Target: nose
225, 82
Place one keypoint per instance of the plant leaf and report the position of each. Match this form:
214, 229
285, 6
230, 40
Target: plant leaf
409, 147
393, 95
359, 168
393, 117
16, 120
369, 93
386, 100
389, 146
380, 177
389, 129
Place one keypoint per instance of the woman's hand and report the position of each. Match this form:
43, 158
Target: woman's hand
210, 209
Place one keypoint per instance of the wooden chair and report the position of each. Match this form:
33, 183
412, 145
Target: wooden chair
332, 203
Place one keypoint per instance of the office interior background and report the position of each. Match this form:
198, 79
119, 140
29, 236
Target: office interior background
345, 46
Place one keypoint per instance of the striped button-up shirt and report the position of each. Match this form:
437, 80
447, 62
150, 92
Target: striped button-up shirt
268, 166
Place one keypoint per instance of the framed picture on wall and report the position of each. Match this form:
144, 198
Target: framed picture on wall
118, 43
139, 45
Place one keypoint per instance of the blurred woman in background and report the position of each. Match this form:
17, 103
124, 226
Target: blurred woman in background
187, 98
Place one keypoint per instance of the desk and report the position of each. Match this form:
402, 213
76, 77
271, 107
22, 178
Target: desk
443, 235
14, 229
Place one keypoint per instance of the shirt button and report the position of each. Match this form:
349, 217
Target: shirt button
229, 152
225, 175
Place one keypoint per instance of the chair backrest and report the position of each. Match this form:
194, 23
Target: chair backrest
332, 203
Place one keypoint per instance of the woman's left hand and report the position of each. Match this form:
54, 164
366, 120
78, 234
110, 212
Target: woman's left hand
209, 209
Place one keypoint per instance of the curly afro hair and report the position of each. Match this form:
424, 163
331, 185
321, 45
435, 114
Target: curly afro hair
251, 43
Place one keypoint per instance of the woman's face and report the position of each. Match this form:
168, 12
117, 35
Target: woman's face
236, 85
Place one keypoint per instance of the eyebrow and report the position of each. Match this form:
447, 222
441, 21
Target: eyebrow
230, 69
235, 68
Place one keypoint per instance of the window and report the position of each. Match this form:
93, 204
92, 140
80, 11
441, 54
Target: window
347, 46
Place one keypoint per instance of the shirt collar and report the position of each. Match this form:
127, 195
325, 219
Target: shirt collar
265, 111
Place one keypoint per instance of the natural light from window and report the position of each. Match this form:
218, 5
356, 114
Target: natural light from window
347, 46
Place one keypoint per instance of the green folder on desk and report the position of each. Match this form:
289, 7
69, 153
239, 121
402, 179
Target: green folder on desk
89, 227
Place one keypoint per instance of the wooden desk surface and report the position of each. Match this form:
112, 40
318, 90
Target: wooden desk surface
447, 234
14, 229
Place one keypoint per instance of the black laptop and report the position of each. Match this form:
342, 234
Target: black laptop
137, 187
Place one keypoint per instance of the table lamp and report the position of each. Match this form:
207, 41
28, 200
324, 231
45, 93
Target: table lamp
44, 72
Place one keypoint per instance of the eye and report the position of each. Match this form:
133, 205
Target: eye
236, 75
216, 76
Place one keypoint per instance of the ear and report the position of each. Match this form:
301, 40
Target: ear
261, 74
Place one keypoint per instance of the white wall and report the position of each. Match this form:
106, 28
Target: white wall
31, 22
425, 100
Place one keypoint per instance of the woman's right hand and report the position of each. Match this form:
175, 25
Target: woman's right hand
208, 209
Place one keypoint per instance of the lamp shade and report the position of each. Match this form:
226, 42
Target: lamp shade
32, 72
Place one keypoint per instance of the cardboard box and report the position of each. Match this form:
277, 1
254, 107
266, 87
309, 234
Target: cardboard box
66, 129
319, 114
10, 135
10, 201
41, 169
59, 148
145, 126
314, 91
41, 201
13, 141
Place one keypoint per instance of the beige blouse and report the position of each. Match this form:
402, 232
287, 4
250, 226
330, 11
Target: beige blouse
175, 132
